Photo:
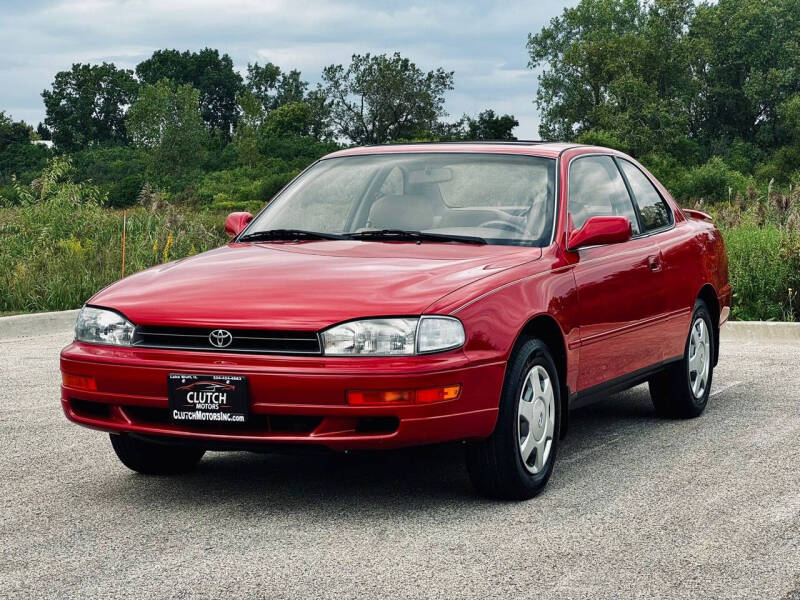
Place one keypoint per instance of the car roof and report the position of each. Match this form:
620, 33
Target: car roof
531, 148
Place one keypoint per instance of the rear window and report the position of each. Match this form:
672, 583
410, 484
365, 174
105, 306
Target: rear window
652, 207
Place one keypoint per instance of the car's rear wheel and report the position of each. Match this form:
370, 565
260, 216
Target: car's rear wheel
516, 461
682, 390
152, 458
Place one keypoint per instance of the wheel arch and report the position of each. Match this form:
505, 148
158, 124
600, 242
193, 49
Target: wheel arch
709, 295
545, 328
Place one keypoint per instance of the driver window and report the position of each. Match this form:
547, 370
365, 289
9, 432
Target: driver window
596, 189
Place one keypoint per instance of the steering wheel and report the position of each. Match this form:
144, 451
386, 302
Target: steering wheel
498, 224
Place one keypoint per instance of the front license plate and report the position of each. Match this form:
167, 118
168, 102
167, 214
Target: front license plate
207, 398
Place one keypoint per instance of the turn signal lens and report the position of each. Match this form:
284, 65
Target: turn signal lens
438, 394
79, 382
380, 397
426, 396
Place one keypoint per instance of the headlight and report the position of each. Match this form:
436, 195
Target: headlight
393, 337
100, 326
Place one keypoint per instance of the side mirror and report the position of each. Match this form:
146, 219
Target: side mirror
600, 230
236, 222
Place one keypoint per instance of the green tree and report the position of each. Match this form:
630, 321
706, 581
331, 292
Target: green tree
289, 120
13, 132
489, 126
786, 159
246, 138
619, 66
747, 57
274, 87
381, 98
213, 75
43, 132
671, 78
166, 119
17, 154
86, 105
320, 108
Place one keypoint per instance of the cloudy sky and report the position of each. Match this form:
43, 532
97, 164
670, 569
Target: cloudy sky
482, 41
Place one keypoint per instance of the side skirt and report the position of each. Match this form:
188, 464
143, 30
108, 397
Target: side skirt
603, 390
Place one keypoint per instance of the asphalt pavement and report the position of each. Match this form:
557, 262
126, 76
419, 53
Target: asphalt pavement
637, 507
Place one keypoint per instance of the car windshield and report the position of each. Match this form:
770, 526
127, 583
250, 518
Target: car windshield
491, 198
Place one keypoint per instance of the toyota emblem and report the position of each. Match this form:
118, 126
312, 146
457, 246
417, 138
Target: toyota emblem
220, 338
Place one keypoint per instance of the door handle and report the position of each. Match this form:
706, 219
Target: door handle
654, 262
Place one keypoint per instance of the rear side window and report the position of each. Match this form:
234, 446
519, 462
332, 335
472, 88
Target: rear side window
596, 189
654, 211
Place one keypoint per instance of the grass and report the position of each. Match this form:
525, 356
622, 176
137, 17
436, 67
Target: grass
55, 255
762, 237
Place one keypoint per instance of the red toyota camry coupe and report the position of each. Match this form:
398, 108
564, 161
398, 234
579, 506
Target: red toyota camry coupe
412, 294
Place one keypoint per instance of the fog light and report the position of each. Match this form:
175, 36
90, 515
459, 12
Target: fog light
424, 396
79, 382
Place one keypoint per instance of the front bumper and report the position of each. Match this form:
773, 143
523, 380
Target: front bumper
293, 400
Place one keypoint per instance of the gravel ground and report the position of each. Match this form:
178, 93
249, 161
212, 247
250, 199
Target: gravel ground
637, 507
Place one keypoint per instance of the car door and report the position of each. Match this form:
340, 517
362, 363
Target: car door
620, 286
658, 222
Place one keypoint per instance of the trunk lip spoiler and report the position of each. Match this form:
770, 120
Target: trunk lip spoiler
697, 214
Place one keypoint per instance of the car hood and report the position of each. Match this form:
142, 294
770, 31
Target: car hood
304, 285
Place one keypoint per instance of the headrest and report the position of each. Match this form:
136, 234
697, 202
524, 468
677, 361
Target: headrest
401, 212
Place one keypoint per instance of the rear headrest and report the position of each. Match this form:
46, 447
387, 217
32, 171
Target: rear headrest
401, 212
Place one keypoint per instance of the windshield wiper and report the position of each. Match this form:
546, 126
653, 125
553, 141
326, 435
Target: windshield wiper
288, 234
422, 236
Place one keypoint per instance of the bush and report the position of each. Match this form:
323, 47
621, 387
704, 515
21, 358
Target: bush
109, 164
22, 160
61, 245
126, 192
244, 188
712, 182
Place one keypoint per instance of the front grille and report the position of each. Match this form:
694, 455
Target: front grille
252, 341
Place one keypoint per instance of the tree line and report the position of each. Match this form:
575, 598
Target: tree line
706, 95
182, 113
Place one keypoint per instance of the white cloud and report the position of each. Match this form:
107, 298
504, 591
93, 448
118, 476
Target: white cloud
482, 41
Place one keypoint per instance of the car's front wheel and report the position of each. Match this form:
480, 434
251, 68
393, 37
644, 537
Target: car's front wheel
516, 461
151, 458
682, 390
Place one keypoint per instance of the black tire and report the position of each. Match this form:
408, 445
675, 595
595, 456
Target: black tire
671, 390
150, 458
495, 465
